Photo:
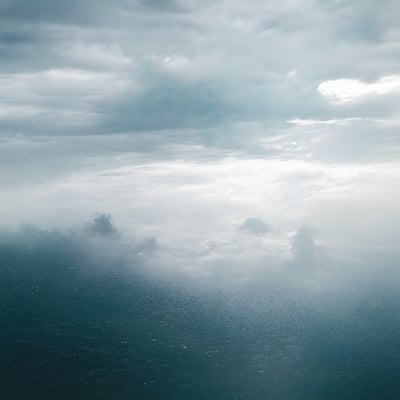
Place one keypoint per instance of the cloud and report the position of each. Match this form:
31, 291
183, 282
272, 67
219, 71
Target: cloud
112, 78
101, 225
311, 122
65, 98
303, 248
170, 104
342, 91
255, 226
181, 131
193, 199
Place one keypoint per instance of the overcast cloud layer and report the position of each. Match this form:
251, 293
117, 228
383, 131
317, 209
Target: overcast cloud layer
184, 120
219, 129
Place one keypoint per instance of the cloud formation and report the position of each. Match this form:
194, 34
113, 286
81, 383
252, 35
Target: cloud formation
101, 225
342, 91
221, 111
255, 226
200, 65
303, 248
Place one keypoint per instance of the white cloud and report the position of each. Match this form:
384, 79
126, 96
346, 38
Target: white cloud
311, 122
194, 208
342, 91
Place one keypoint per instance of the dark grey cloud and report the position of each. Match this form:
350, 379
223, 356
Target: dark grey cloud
360, 22
200, 65
43, 11
171, 105
101, 225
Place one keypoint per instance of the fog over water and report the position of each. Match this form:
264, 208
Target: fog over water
199, 200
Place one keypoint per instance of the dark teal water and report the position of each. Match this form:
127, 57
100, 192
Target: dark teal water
77, 325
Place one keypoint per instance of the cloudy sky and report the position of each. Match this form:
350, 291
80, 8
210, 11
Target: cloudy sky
238, 136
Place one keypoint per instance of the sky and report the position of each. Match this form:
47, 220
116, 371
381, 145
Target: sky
236, 137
